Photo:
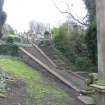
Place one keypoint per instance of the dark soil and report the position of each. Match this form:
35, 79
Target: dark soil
17, 94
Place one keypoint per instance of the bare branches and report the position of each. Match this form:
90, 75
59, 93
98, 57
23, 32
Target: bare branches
37, 27
68, 11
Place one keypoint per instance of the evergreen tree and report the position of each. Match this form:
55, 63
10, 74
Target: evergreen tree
91, 35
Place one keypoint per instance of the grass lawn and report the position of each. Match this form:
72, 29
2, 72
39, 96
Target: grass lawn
40, 93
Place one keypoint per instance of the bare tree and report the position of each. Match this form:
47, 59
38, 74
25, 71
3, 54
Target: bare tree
38, 31
78, 20
7, 29
37, 27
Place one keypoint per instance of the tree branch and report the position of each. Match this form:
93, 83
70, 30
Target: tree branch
69, 12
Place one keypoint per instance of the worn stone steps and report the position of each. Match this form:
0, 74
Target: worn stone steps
55, 56
38, 55
71, 77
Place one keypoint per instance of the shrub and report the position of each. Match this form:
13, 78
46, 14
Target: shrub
9, 49
72, 44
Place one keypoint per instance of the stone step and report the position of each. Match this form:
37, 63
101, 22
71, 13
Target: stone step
56, 56
62, 68
57, 60
87, 92
87, 100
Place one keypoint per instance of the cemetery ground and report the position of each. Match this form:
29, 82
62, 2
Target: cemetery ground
27, 86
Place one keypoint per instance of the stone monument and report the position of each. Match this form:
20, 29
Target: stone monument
2, 16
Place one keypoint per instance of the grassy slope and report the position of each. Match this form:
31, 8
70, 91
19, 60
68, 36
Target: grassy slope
39, 91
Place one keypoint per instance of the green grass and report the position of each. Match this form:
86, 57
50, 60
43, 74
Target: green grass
39, 91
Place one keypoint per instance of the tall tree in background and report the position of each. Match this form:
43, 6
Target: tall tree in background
69, 39
88, 21
37, 27
7, 29
81, 46
91, 35
2, 16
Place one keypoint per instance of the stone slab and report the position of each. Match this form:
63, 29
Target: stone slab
87, 100
99, 88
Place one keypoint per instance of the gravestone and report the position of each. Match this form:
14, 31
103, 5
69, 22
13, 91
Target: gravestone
2, 16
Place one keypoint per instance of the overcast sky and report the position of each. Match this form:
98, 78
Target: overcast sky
20, 12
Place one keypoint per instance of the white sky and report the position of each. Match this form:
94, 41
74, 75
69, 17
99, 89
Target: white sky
21, 12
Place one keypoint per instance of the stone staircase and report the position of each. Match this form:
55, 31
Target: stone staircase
33, 51
56, 56
54, 62
77, 82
